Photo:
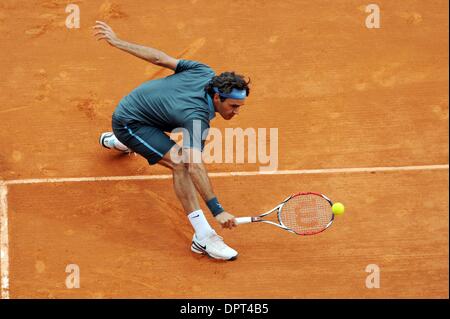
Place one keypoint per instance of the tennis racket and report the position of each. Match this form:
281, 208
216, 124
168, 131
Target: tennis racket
302, 214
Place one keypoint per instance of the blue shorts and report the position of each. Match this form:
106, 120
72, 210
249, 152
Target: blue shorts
148, 141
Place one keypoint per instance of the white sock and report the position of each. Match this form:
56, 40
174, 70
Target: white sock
200, 224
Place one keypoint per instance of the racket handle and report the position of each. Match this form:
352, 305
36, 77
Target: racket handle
243, 220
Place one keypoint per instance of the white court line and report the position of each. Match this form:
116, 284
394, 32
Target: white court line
4, 192
230, 174
4, 242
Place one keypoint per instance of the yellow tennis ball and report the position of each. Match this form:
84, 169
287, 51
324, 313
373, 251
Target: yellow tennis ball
338, 208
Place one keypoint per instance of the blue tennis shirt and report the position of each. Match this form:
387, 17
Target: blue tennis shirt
171, 102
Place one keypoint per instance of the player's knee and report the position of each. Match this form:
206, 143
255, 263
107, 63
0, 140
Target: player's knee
174, 159
194, 168
179, 166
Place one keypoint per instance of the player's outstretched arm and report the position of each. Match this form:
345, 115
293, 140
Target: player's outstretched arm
200, 178
105, 32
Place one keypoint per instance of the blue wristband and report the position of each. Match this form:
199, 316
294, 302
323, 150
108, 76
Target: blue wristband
214, 206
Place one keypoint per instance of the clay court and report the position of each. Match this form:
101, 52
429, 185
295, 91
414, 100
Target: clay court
362, 116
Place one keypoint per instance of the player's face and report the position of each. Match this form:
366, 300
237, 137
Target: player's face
228, 108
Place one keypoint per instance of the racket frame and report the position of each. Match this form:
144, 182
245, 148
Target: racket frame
279, 208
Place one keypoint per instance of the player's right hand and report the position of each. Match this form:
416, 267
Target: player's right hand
104, 31
226, 220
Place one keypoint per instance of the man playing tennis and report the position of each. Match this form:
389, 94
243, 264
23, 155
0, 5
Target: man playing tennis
188, 99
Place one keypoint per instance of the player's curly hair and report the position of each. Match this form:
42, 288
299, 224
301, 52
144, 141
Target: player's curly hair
226, 82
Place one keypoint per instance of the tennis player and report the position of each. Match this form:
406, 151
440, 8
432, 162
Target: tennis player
189, 99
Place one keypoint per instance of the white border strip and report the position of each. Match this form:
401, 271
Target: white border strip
230, 174
4, 242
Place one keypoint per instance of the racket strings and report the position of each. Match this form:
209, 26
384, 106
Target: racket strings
306, 214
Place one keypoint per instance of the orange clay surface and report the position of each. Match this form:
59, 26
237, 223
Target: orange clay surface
341, 95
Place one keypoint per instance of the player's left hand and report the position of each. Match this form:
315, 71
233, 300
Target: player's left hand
104, 31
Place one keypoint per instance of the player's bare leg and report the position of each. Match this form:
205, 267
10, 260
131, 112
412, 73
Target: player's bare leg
205, 239
182, 182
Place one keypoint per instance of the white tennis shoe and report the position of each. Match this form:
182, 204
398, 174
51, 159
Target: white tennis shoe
110, 141
214, 247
